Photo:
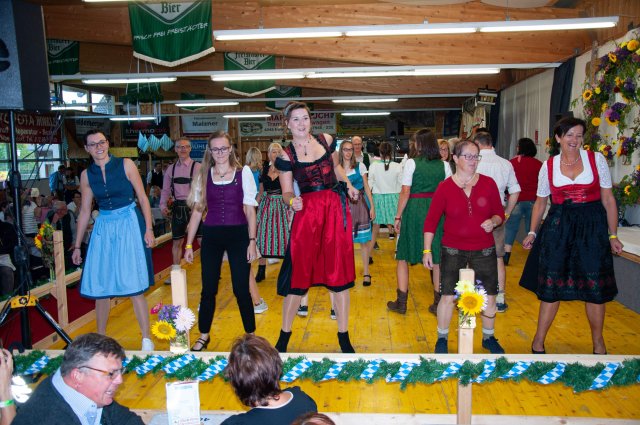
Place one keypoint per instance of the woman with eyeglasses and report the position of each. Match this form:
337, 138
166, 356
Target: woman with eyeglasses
362, 210
223, 197
118, 261
320, 249
471, 206
421, 176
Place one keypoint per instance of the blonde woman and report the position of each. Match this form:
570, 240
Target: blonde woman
362, 209
226, 191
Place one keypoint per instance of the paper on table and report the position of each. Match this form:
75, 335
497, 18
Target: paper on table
183, 403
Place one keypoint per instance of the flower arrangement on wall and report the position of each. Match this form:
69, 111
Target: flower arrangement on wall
611, 98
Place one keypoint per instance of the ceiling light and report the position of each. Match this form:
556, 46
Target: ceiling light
129, 80
411, 29
363, 114
252, 76
550, 24
366, 100
434, 71
133, 118
360, 74
202, 104
276, 33
247, 115
69, 108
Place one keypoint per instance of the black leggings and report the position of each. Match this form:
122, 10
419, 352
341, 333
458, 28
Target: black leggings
215, 241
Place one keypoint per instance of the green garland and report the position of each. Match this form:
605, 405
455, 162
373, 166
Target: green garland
576, 376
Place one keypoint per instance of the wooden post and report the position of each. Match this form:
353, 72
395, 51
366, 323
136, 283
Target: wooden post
465, 346
179, 291
60, 290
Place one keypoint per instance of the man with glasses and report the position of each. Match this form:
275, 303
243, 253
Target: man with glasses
502, 172
82, 390
176, 187
360, 156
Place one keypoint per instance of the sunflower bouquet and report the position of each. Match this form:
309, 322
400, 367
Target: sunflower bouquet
173, 325
44, 242
472, 299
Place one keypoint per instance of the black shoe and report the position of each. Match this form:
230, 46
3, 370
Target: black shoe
260, 276
375, 246
370, 260
204, 343
506, 257
442, 346
345, 343
366, 282
538, 352
283, 341
492, 345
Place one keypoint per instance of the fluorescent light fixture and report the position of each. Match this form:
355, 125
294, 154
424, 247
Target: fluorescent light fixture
133, 118
251, 76
434, 71
246, 115
365, 100
550, 24
69, 108
276, 33
129, 80
202, 104
364, 114
416, 29
361, 74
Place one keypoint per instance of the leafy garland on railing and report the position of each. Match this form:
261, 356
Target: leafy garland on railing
427, 371
613, 95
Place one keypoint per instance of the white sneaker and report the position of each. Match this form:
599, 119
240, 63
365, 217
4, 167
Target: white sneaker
147, 345
261, 307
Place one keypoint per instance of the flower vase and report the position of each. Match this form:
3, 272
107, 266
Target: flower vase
179, 345
466, 321
626, 160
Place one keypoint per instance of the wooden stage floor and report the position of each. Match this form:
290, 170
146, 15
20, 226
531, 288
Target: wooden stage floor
375, 330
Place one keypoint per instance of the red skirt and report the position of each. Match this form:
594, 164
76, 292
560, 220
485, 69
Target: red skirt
320, 248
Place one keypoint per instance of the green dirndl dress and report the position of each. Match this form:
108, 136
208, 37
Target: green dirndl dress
426, 177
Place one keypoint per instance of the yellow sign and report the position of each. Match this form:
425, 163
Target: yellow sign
124, 152
23, 301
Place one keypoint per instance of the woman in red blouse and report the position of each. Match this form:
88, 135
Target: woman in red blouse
470, 203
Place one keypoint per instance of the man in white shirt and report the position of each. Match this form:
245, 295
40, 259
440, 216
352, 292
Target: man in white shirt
360, 156
501, 171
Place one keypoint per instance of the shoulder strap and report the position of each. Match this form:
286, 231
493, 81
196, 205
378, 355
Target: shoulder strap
173, 176
193, 165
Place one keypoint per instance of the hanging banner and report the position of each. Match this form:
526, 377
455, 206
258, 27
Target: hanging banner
282, 92
171, 33
63, 57
130, 129
245, 62
31, 128
83, 125
197, 149
322, 122
203, 125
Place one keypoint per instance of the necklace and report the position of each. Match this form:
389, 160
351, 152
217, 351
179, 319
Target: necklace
221, 175
569, 164
305, 146
464, 184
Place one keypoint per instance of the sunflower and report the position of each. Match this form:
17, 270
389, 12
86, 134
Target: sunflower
610, 122
587, 94
604, 107
613, 58
627, 190
598, 90
163, 330
471, 303
633, 45
596, 122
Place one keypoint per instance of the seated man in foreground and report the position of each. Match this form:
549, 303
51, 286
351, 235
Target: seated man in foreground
82, 390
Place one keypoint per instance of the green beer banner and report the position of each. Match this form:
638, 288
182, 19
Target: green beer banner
171, 33
244, 62
63, 57
282, 92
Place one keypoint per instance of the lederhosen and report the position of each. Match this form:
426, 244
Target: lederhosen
181, 213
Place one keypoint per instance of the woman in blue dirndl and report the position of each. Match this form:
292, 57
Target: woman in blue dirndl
118, 262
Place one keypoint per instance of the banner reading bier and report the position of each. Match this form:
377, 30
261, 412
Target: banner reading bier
171, 33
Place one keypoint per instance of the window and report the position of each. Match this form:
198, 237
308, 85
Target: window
105, 103
71, 95
34, 161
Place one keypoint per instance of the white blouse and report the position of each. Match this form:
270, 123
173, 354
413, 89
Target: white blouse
249, 188
410, 167
586, 177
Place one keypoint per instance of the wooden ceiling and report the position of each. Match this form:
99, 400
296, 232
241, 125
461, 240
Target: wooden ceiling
105, 36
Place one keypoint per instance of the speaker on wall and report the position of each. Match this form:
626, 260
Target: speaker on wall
24, 77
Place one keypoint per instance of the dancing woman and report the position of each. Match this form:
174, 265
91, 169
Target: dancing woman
320, 249
226, 191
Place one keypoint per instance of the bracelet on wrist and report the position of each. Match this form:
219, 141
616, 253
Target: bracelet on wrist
426, 251
188, 246
6, 403
534, 234
291, 201
612, 236
252, 239
398, 218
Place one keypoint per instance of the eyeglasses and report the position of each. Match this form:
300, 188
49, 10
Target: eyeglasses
184, 147
112, 375
444, 150
347, 150
469, 157
100, 144
219, 151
